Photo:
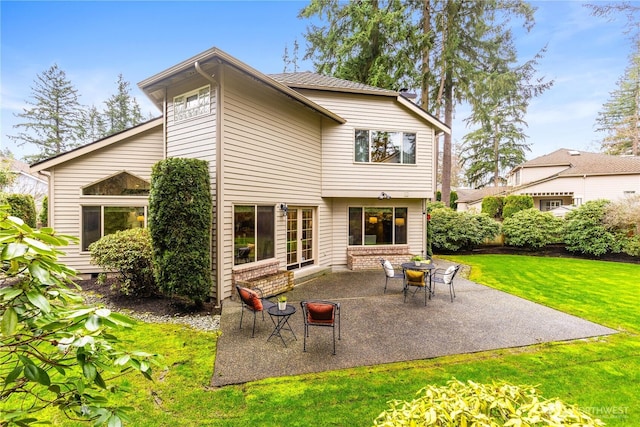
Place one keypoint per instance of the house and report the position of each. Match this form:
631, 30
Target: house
308, 173
26, 182
567, 177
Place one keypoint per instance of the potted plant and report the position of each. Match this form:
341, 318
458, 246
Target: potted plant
282, 302
417, 259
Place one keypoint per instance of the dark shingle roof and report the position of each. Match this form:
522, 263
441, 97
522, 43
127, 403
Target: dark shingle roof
309, 80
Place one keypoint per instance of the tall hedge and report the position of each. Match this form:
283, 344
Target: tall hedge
515, 203
532, 229
452, 231
585, 230
44, 212
22, 206
180, 214
492, 206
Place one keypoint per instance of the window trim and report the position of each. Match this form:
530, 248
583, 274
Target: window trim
181, 111
363, 212
401, 153
256, 207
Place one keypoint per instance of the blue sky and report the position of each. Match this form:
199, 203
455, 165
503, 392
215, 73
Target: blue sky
93, 42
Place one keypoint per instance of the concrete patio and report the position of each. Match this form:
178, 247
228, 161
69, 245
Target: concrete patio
380, 328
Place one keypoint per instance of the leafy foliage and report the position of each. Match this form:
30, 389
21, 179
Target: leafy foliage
22, 206
44, 212
585, 230
452, 230
514, 203
180, 225
532, 229
54, 350
472, 403
492, 206
129, 253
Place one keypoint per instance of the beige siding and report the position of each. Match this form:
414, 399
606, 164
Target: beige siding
135, 155
533, 174
342, 177
272, 154
610, 187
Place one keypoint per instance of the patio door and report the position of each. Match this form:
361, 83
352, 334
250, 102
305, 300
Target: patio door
300, 234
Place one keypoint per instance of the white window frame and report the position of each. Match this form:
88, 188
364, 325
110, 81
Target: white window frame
192, 104
397, 138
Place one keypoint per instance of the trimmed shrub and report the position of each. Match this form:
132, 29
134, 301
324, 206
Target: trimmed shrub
515, 203
532, 229
44, 212
180, 214
492, 206
128, 253
470, 403
22, 206
585, 231
451, 230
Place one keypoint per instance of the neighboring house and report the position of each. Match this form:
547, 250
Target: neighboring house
303, 168
568, 178
26, 182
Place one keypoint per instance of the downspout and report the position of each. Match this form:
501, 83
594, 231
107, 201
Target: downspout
164, 133
219, 211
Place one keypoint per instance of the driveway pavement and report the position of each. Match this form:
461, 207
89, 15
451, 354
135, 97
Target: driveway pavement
380, 328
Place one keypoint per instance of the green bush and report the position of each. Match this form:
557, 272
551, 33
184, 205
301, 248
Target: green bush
473, 404
22, 206
44, 212
585, 231
515, 203
532, 229
128, 253
492, 206
451, 230
180, 224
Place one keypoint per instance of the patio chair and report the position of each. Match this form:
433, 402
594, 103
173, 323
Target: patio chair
446, 277
389, 273
253, 301
320, 313
418, 280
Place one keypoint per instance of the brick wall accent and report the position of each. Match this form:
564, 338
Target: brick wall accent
265, 276
368, 257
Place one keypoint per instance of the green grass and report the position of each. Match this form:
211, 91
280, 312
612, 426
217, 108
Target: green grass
601, 373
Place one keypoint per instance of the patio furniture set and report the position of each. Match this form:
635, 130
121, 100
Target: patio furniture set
420, 276
322, 313
315, 313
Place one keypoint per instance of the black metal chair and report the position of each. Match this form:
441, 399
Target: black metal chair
321, 313
389, 273
418, 280
253, 301
446, 278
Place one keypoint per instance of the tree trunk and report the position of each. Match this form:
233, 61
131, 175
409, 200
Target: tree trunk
446, 146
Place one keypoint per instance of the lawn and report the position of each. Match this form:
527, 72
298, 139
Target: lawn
600, 375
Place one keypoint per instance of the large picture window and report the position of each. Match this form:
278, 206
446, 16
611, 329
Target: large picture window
373, 146
99, 221
254, 233
377, 226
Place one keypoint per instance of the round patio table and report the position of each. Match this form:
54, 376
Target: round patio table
283, 321
426, 268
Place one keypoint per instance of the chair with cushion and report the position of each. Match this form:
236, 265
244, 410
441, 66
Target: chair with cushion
446, 277
418, 280
321, 313
253, 301
389, 273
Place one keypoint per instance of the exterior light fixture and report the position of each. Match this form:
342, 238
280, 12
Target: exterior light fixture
284, 208
383, 196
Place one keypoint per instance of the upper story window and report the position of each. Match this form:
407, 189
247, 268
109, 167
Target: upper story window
192, 104
372, 146
121, 184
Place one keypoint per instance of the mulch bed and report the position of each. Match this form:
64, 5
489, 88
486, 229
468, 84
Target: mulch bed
156, 304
